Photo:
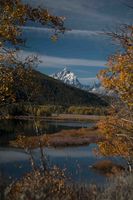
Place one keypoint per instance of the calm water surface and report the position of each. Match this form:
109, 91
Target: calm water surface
14, 162
10, 129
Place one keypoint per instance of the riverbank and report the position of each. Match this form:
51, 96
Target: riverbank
79, 117
58, 117
74, 137
40, 186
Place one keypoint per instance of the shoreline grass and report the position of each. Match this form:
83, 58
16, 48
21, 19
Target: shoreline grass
74, 137
52, 185
59, 117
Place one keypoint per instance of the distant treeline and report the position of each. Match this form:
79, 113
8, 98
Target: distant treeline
18, 109
88, 110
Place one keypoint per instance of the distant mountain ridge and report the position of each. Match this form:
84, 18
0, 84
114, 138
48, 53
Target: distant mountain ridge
68, 77
52, 91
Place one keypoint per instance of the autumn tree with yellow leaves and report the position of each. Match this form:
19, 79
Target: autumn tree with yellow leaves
118, 76
17, 75
14, 73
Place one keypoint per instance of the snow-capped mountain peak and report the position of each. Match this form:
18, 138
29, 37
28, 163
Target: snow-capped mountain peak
70, 78
67, 77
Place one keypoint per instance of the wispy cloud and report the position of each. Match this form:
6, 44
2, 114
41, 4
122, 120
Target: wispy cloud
87, 80
52, 61
90, 9
74, 32
98, 14
37, 29
85, 32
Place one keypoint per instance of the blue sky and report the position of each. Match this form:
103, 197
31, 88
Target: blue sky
84, 49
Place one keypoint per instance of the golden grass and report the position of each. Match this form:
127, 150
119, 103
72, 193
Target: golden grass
108, 167
72, 137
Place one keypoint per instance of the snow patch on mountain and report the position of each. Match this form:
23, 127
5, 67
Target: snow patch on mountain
70, 78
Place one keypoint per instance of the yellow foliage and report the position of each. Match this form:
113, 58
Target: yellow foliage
119, 74
118, 137
118, 128
13, 16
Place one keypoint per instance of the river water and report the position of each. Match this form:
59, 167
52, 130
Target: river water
77, 161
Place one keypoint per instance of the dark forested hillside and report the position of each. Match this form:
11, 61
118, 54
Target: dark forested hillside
52, 91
